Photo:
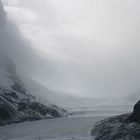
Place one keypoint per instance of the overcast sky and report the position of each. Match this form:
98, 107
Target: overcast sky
87, 48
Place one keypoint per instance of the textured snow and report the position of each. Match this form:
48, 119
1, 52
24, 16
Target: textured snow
57, 129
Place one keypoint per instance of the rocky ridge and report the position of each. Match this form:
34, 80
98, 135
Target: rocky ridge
122, 127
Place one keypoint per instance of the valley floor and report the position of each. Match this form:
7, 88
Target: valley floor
77, 128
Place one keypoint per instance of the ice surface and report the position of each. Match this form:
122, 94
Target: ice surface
57, 129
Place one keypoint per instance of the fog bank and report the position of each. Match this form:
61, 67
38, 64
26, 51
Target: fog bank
84, 48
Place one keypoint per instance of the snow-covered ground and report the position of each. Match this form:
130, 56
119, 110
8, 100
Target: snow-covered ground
77, 128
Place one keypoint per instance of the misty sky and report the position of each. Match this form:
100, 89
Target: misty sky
87, 48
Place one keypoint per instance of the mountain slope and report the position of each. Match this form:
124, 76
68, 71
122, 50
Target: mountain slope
16, 103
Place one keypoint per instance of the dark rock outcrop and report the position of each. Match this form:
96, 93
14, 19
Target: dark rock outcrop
7, 110
122, 127
135, 117
116, 128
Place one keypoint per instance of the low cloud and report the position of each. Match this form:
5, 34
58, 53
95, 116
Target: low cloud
86, 48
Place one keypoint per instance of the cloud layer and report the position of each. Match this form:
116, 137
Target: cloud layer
86, 48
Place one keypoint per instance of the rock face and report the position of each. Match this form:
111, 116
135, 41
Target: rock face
135, 117
116, 128
123, 127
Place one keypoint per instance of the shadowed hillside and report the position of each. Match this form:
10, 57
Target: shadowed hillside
16, 103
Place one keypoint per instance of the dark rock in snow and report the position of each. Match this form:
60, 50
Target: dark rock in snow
116, 128
7, 111
123, 127
135, 117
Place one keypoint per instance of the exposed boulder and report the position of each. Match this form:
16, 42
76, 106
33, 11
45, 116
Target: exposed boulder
116, 128
122, 127
135, 117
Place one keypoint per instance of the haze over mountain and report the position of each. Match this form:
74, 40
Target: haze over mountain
71, 51
79, 55
17, 104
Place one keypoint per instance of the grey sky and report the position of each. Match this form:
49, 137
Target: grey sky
82, 47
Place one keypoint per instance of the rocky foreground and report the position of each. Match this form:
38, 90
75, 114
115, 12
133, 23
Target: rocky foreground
123, 127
